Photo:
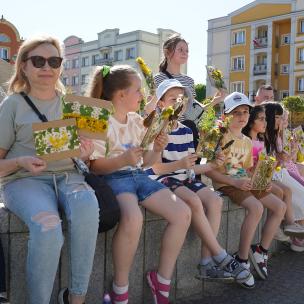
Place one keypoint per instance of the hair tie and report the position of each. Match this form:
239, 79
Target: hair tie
105, 70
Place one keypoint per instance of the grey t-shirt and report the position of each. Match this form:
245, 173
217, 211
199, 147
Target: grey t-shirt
16, 135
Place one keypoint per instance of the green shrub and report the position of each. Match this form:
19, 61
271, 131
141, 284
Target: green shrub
294, 103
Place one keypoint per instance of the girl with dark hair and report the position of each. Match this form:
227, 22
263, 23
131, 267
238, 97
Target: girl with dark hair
274, 115
255, 129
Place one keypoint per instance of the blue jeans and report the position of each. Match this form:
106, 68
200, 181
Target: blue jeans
35, 200
136, 182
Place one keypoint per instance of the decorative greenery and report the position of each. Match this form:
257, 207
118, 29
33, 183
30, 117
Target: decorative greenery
294, 103
147, 74
212, 132
200, 90
56, 139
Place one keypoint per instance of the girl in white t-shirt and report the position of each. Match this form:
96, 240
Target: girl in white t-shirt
119, 160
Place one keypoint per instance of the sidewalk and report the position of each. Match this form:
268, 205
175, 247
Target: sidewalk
285, 285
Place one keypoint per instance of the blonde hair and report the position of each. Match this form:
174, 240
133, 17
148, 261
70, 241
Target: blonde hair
104, 87
19, 81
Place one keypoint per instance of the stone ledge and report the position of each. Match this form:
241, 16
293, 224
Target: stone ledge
14, 236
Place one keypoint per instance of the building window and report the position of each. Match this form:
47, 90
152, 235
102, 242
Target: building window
106, 55
285, 39
238, 37
301, 84
95, 59
301, 55
85, 61
118, 55
4, 53
130, 53
284, 68
284, 94
75, 63
237, 86
4, 38
75, 80
238, 63
301, 26
67, 64
65, 81
84, 79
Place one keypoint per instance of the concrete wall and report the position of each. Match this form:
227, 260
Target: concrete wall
14, 236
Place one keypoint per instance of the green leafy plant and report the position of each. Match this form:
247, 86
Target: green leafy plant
294, 103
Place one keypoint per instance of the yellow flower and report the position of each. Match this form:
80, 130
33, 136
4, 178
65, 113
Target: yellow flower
262, 156
167, 112
278, 169
81, 123
57, 142
272, 158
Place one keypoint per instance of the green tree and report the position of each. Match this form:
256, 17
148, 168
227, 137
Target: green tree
200, 90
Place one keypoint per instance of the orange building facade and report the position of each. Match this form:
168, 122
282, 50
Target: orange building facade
10, 41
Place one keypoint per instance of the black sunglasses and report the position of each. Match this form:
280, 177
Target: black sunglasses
39, 61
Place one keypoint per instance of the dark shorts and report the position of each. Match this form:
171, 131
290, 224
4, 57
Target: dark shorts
173, 183
136, 182
238, 195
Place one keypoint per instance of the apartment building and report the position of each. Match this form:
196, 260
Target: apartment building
110, 48
262, 42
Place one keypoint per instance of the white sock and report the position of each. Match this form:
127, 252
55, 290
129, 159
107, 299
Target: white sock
120, 290
220, 257
163, 281
205, 261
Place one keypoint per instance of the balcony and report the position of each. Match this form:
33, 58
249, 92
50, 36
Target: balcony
104, 61
260, 69
260, 42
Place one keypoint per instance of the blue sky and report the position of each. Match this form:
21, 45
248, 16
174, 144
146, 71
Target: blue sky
86, 18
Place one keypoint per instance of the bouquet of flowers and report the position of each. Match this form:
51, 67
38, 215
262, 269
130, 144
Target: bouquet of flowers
287, 138
263, 172
147, 74
163, 121
92, 114
216, 77
212, 132
299, 135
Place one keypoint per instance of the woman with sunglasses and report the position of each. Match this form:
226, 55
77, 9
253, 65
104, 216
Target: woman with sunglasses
33, 189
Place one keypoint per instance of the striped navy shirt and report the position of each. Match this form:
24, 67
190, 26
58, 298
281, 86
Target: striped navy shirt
185, 80
180, 145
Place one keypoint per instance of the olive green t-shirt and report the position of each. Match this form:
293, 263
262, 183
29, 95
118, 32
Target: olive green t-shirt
16, 135
238, 157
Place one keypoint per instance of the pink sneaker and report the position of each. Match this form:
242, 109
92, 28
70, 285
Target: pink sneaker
297, 244
118, 297
156, 287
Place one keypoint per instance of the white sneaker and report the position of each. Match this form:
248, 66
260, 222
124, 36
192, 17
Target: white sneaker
281, 236
297, 245
294, 229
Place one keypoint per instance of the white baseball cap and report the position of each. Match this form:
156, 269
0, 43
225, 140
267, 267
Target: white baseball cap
235, 100
166, 85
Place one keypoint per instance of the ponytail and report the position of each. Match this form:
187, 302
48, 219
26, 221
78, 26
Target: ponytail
105, 81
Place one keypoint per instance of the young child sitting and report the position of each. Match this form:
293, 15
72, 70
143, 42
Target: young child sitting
172, 170
232, 179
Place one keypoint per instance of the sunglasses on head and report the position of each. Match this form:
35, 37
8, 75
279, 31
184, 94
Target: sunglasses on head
39, 61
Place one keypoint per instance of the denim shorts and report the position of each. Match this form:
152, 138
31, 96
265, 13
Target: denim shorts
174, 183
133, 181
